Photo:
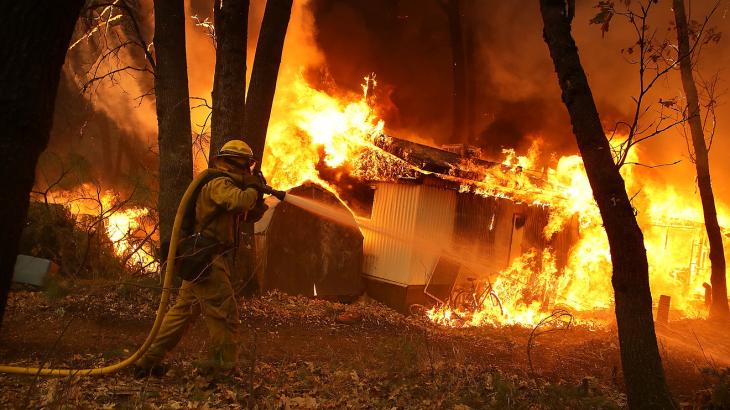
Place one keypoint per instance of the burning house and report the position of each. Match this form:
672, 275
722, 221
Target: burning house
428, 232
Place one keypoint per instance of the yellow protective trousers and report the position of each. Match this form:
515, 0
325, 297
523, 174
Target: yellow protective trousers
218, 307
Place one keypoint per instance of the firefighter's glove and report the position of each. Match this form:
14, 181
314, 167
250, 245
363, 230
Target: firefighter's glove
258, 210
253, 181
280, 195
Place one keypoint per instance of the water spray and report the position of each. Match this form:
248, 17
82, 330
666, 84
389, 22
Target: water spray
427, 245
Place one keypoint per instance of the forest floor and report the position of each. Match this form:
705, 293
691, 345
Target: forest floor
294, 353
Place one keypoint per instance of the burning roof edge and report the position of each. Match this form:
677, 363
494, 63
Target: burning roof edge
431, 159
427, 160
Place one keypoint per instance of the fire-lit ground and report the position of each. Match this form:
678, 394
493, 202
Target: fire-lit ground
295, 353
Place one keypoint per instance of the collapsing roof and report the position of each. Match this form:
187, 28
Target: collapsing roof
454, 166
434, 160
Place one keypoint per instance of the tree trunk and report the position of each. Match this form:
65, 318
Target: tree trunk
458, 62
265, 72
35, 35
719, 306
229, 82
643, 373
173, 110
470, 59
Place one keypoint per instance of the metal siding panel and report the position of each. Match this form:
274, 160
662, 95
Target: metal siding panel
441, 217
434, 225
393, 212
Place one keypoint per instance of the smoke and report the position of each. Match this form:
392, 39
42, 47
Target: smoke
334, 43
517, 98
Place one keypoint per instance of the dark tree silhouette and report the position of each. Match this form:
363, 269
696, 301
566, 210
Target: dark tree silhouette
173, 110
719, 306
265, 73
36, 36
229, 82
454, 12
642, 367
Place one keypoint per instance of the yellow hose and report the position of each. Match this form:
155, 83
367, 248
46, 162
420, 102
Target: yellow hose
167, 283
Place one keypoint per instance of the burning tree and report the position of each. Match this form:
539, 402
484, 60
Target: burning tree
643, 371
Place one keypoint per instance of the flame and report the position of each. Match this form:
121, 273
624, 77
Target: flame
343, 129
322, 131
311, 130
325, 131
120, 228
125, 227
527, 291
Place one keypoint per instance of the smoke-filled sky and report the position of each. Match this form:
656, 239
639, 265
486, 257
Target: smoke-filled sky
406, 43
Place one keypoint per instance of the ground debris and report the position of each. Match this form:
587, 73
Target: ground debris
297, 353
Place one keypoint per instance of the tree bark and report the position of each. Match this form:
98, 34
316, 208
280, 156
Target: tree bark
173, 110
265, 73
35, 35
642, 367
458, 66
229, 82
719, 306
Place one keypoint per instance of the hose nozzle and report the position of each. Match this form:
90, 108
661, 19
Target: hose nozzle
280, 195
267, 189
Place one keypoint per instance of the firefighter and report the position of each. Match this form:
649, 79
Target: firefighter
220, 201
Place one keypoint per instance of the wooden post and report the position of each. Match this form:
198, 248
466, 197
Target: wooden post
662, 313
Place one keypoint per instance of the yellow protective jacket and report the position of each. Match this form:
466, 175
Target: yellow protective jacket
222, 196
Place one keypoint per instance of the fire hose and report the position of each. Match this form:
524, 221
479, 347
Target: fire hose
164, 300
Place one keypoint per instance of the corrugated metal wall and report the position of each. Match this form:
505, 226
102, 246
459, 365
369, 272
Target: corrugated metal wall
434, 230
410, 216
483, 232
394, 211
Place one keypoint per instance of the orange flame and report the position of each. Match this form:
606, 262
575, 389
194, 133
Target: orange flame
123, 225
338, 132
